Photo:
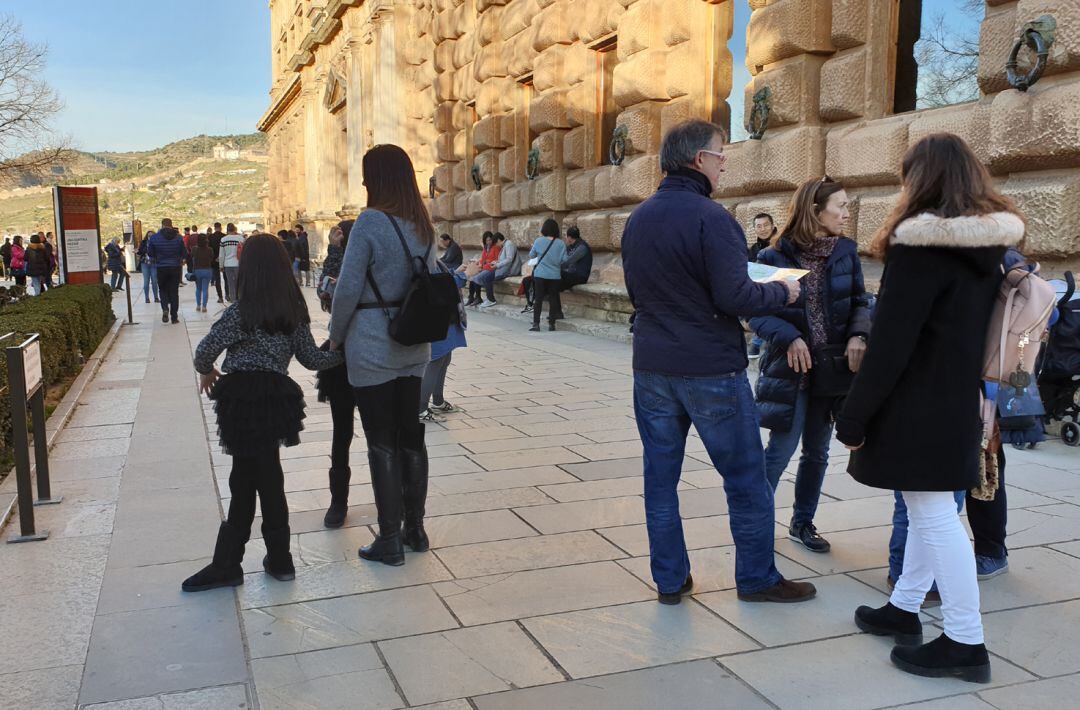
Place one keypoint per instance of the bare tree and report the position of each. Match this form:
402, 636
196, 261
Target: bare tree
28, 145
948, 57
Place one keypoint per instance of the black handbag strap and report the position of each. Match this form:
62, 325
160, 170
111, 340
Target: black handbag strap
382, 303
544, 255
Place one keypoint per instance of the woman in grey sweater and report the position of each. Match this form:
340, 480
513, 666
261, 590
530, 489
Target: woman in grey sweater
385, 375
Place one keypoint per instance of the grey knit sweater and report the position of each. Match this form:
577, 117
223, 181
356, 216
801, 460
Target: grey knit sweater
373, 357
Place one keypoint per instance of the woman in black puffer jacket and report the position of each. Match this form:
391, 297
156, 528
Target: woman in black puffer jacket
814, 345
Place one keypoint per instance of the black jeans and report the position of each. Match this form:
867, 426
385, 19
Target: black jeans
169, 289
258, 474
216, 280
988, 518
549, 289
342, 411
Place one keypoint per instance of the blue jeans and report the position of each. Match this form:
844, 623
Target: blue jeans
116, 280
202, 286
149, 280
812, 424
35, 284
898, 541
722, 410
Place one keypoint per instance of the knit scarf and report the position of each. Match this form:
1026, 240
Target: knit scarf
815, 258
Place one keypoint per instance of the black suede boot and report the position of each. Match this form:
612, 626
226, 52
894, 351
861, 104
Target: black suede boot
339, 497
386, 484
225, 569
278, 561
414, 485
903, 626
945, 658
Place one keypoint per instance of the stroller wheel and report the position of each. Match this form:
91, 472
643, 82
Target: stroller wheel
1070, 433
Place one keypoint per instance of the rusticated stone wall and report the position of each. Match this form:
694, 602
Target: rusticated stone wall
478, 83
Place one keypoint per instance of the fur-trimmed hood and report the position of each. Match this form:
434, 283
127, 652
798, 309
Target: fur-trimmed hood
980, 240
997, 229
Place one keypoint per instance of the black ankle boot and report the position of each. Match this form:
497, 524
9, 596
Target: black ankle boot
383, 460
278, 561
903, 626
339, 497
225, 569
414, 485
945, 658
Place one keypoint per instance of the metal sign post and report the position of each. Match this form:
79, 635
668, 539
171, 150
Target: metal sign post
25, 386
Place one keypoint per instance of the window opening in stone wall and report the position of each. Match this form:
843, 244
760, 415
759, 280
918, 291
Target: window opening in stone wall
525, 131
740, 76
607, 111
936, 53
470, 143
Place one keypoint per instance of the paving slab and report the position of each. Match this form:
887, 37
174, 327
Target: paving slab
633, 636
526, 553
1039, 639
54, 688
1037, 695
233, 697
466, 662
849, 672
713, 569
335, 679
684, 685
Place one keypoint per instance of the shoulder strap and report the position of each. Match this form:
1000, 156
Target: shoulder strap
550, 244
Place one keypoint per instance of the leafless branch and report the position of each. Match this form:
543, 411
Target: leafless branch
27, 106
949, 61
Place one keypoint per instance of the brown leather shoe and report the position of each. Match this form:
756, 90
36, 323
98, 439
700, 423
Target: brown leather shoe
785, 592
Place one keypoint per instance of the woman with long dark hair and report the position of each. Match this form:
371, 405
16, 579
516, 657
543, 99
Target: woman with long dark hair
387, 239
913, 416
259, 407
333, 387
814, 345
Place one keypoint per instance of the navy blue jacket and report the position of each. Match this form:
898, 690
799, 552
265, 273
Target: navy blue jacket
684, 260
847, 311
166, 249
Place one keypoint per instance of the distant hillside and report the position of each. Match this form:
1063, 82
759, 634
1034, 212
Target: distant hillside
181, 180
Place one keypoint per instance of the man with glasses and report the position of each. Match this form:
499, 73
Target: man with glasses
684, 258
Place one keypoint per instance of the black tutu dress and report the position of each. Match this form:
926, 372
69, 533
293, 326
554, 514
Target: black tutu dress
256, 411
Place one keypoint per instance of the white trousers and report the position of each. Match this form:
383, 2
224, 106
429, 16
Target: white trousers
938, 549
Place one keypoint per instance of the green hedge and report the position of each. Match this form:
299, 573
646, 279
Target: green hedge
72, 320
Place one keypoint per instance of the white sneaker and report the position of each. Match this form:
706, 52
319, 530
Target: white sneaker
487, 304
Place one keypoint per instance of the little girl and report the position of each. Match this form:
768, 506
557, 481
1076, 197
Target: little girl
259, 408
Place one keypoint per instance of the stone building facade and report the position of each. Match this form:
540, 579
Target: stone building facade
509, 108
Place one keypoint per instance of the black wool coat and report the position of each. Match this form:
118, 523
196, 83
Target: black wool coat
914, 406
847, 314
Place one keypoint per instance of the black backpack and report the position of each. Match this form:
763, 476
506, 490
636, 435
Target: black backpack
429, 306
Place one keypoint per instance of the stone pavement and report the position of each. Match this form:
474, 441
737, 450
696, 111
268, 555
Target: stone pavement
536, 593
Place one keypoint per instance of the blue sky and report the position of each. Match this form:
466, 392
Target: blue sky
136, 74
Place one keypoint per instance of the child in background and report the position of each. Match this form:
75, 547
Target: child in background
259, 408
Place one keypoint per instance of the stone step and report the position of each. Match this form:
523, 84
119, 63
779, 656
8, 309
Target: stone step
619, 332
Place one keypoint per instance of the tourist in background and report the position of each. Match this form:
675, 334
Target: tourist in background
214, 239
231, 246
815, 346
115, 252
684, 257
18, 263
452, 257
167, 252
764, 232
386, 376
507, 265
913, 416
37, 264
148, 269
202, 261
5, 254
485, 277
259, 407
548, 251
432, 394
303, 256
577, 266
333, 387
335, 252
50, 251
